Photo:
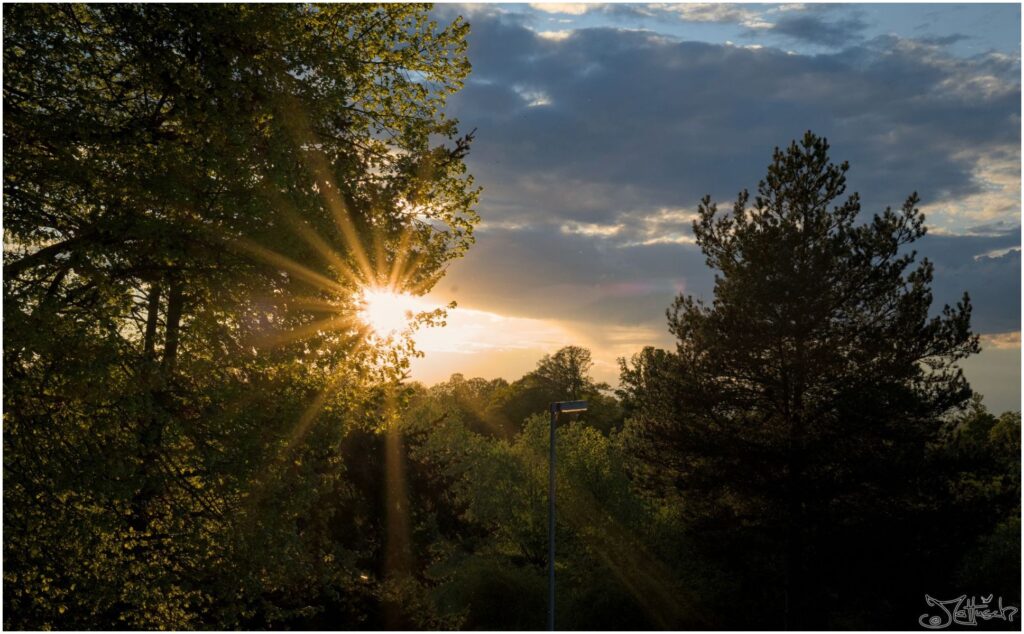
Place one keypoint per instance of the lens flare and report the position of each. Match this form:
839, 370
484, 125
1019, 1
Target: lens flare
388, 312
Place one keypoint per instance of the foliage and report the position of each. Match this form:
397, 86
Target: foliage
794, 419
476, 401
493, 573
630, 554
193, 197
562, 376
981, 454
198, 434
481, 512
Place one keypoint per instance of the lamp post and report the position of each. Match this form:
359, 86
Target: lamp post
566, 407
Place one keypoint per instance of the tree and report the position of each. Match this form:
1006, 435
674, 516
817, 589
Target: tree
473, 399
478, 513
562, 376
194, 196
794, 417
492, 569
980, 459
566, 374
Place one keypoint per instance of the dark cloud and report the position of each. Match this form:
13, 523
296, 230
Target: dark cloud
606, 120
944, 40
541, 273
814, 28
629, 13
538, 273
1000, 228
987, 267
595, 143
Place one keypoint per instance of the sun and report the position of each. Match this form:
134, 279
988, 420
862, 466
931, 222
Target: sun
388, 312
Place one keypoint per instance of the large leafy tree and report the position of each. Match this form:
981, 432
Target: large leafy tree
794, 417
562, 376
193, 197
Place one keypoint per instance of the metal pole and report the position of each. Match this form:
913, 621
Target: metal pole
551, 522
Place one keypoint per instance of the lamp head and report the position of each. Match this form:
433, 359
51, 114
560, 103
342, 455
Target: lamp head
568, 407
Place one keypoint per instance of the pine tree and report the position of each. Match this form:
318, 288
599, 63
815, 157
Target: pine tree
794, 416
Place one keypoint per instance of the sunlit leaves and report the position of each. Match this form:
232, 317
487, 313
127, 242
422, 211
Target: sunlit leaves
194, 196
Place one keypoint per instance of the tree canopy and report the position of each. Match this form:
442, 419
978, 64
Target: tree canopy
795, 416
194, 197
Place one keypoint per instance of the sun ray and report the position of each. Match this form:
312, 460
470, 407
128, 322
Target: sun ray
284, 211
299, 127
315, 304
398, 555
328, 324
379, 254
398, 547
425, 284
261, 477
645, 576
397, 274
287, 264
336, 205
309, 415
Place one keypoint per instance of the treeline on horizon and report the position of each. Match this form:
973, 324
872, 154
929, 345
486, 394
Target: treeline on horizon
199, 434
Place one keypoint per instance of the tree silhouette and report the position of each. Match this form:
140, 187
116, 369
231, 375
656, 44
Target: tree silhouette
566, 374
794, 416
561, 376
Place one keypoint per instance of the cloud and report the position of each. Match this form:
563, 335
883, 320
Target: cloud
592, 229
944, 40
716, 12
1002, 340
468, 331
556, 36
567, 8
986, 263
630, 229
594, 146
605, 275
571, 276
995, 199
814, 29
750, 16
997, 253
634, 120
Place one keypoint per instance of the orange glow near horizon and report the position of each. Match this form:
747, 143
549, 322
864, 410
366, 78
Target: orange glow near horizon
489, 344
475, 341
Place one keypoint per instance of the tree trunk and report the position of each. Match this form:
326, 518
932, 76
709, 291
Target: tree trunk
149, 342
151, 432
175, 303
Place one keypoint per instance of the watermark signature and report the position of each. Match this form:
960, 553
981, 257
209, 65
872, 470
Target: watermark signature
965, 610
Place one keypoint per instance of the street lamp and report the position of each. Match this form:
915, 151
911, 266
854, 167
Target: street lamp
566, 407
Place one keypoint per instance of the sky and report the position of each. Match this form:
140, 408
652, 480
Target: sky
600, 126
